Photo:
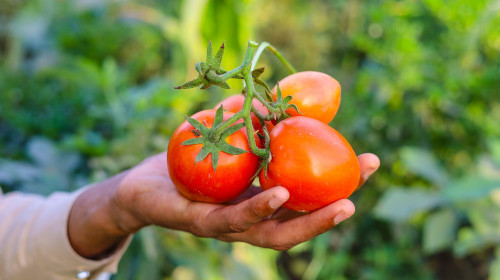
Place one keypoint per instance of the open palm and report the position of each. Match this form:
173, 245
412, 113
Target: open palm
149, 197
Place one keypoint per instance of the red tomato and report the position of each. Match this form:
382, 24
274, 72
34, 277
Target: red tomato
198, 181
317, 95
234, 103
313, 161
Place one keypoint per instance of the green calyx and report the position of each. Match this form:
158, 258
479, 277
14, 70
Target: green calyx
210, 146
210, 72
283, 104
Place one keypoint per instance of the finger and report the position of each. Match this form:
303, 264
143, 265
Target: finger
283, 214
153, 165
248, 193
241, 216
285, 235
368, 164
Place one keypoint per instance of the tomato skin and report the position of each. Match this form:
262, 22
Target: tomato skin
198, 181
313, 161
234, 104
316, 94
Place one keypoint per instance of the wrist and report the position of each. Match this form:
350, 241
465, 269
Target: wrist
93, 228
121, 207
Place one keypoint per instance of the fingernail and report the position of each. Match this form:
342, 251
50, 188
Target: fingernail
369, 172
275, 202
366, 176
342, 216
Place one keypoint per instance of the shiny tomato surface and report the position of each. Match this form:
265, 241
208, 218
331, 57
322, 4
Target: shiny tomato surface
313, 161
316, 94
198, 181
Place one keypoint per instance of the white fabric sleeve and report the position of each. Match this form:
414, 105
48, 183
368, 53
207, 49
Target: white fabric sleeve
34, 242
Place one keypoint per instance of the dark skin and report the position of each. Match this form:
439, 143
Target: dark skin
104, 215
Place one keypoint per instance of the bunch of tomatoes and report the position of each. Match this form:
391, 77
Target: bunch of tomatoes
215, 155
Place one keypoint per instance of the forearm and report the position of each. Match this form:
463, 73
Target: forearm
34, 239
94, 223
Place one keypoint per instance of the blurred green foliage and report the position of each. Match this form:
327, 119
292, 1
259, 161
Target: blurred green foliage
86, 90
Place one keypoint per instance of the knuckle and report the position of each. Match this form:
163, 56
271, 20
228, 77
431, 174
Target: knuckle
198, 227
197, 231
256, 214
236, 226
280, 244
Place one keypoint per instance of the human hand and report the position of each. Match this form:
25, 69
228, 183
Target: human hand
146, 195
104, 215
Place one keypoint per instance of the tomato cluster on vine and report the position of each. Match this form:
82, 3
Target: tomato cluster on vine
215, 155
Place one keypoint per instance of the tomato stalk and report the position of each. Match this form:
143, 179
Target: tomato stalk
247, 105
210, 73
260, 116
265, 45
252, 46
267, 104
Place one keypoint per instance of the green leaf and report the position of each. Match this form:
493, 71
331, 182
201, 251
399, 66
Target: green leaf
191, 84
470, 188
287, 99
267, 90
42, 151
439, 231
219, 116
293, 106
197, 125
202, 154
257, 72
279, 96
232, 129
494, 147
210, 53
218, 56
229, 149
193, 141
425, 164
215, 159
12, 171
470, 241
223, 85
400, 204
484, 230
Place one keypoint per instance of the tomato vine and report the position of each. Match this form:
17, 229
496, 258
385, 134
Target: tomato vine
211, 74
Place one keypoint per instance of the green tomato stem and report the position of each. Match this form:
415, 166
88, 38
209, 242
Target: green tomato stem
232, 73
264, 102
215, 135
247, 105
245, 70
261, 116
251, 138
252, 47
266, 45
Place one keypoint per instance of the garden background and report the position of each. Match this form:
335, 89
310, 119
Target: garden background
86, 90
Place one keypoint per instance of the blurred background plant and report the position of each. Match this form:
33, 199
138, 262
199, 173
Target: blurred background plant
86, 90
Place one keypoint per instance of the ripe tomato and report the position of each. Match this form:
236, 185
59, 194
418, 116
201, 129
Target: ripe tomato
234, 104
313, 161
317, 95
198, 181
